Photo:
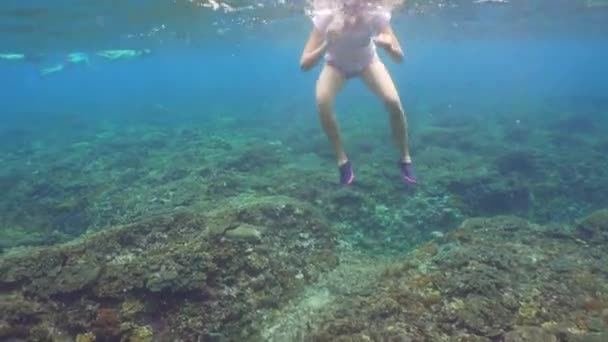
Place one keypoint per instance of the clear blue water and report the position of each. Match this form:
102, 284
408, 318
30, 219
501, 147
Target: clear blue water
473, 55
209, 143
522, 64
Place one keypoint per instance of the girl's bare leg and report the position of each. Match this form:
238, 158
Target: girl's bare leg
330, 82
378, 79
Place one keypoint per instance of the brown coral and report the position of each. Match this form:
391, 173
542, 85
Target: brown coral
106, 326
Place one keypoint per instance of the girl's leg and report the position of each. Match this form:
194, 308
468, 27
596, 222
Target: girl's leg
330, 82
378, 79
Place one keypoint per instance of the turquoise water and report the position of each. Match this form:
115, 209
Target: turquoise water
521, 77
480, 84
185, 191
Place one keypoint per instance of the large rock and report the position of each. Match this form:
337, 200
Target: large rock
492, 279
594, 228
189, 276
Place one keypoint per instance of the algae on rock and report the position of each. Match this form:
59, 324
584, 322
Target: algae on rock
120, 277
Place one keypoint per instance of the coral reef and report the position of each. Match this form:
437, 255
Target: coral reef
188, 275
492, 279
223, 228
102, 174
184, 277
594, 228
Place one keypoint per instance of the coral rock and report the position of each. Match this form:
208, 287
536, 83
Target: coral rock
594, 228
529, 334
245, 232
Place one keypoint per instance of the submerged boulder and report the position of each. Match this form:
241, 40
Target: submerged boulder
594, 228
186, 276
530, 334
245, 232
492, 279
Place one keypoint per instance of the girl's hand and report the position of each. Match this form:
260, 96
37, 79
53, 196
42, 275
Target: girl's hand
384, 40
387, 40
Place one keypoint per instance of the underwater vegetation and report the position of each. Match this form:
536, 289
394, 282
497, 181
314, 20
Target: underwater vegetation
492, 279
100, 175
187, 276
224, 274
157, 221
110, 235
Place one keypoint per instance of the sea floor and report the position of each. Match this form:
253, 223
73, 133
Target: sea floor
63, 175
228, 228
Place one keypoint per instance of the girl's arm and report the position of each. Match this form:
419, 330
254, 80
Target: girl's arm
313, 51
389, 42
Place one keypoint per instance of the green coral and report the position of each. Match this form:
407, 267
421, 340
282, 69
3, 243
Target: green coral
136, 333
67, 278
528, 313
130, 308
112, 279
594, 228
17, 236
15, 308
86, 337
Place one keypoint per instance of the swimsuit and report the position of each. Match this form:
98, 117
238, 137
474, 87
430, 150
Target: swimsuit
353, 50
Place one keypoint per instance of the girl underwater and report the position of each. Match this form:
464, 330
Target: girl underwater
346, 34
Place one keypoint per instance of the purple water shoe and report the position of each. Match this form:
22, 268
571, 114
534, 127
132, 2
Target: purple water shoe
347, 176
407, 172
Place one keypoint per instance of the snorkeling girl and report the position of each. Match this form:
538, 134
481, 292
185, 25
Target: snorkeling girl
347, 36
